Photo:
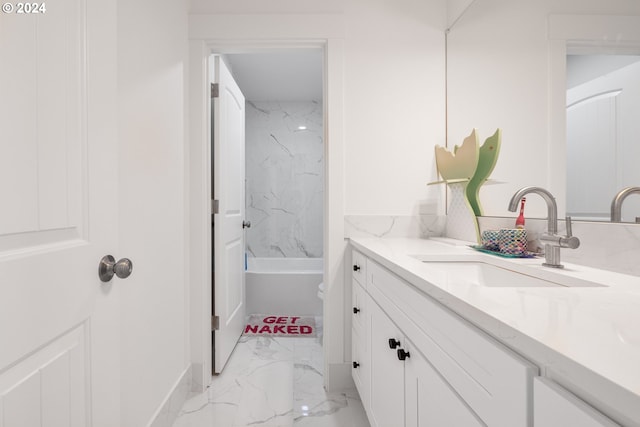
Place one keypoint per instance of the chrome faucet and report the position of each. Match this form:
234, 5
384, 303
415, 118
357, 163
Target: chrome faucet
616, 204
552, 242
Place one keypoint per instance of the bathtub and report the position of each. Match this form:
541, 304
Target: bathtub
287, 286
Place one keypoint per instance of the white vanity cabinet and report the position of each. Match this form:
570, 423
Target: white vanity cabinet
554, 406
452, 373
405, 388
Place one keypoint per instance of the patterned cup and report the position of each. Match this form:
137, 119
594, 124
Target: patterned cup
512, 241
490, 239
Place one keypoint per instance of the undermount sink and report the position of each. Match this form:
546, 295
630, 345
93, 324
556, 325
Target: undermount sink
484, 274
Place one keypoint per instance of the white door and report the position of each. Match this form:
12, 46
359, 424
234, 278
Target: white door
58, 205
228, 188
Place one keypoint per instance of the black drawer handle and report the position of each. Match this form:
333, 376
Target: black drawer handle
356, 310
356, 267
355, 365
393, 343
403, 354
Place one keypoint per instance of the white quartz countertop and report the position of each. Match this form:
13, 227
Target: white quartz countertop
586, 338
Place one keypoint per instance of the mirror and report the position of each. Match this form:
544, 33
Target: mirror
507, 68
603, 131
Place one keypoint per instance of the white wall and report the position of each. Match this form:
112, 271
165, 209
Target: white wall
393, 95
152, 43
394, 105
499, 76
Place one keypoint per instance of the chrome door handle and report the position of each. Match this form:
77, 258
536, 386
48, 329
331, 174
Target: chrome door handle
246, 224
108, 267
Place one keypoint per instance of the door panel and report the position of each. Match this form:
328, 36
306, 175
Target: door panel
52, 380
57, 177
387, 372
430, 401
228, 189
45, 54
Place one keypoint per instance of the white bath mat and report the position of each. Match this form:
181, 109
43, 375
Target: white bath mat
280, 326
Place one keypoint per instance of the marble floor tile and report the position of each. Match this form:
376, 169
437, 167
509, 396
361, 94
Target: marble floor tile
273, 382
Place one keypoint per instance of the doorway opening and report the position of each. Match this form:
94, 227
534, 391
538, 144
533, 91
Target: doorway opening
284, 162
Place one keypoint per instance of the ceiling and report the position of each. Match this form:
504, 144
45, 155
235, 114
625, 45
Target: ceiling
291, 75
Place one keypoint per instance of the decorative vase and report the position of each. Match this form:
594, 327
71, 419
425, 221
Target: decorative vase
462, 223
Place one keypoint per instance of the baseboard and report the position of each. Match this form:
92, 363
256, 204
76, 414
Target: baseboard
172, 404
338, 377
197, 376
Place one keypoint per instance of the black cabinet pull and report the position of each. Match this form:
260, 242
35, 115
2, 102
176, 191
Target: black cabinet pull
403, 354
356, 267
355, 365
393, 343
356, 310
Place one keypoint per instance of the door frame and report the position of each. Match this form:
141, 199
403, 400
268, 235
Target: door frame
570, 34
247, 34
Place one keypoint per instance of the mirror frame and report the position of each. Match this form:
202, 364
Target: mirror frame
569, 34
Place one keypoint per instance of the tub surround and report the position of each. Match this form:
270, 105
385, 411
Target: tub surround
284, 178
586, 339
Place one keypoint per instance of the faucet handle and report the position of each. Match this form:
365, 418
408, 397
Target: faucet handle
567, 221
569, 241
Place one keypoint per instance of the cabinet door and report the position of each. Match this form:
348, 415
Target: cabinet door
387, 371
553, 406
430, 400
360, 354
361, 366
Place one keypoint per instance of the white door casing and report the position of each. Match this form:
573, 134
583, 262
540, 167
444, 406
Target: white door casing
213, 33
58, 174
228, 188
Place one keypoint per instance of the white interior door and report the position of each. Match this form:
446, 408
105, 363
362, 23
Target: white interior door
58, 204
228, 188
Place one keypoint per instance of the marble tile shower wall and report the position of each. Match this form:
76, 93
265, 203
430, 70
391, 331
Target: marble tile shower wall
284, 179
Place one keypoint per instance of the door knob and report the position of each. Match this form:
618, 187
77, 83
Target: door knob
393, 343
356, 267
246, 224
108, 267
